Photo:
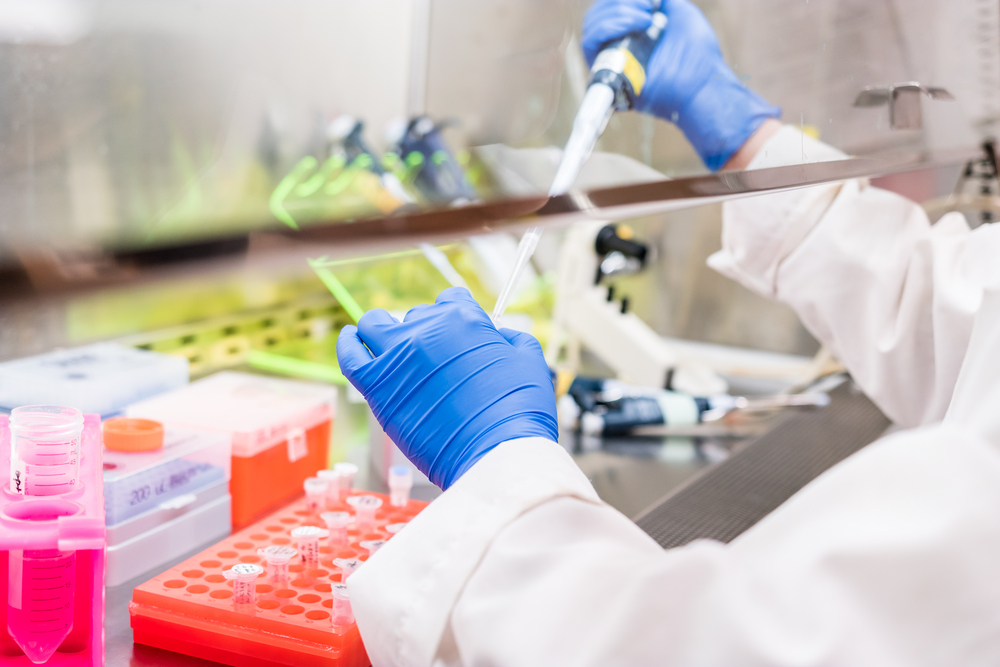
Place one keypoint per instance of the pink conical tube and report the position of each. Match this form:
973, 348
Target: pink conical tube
40, 600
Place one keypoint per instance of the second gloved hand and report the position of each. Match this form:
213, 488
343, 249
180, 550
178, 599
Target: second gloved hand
446, 386
687, 80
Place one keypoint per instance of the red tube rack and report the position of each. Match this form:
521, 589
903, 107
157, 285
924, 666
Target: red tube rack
189, 609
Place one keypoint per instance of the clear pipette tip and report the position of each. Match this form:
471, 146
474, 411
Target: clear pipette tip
525, 249
590, 121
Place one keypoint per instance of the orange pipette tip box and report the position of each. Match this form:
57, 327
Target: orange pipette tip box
189, 609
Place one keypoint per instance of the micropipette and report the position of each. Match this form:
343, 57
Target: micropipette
616, 80
349, 132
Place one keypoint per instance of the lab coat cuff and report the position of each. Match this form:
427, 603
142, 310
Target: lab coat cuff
760, 232
404, 595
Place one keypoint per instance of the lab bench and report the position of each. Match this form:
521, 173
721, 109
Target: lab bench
677, 487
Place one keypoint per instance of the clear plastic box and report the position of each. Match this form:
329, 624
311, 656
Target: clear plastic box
174, 527
101, 378
139, 482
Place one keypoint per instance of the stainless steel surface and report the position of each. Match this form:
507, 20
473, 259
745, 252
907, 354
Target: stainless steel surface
725, 500
631, 473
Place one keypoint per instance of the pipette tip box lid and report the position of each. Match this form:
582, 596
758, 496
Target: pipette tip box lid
69, 522
147, 542
190, 608
137, 482
101, 378
279, 430
164, 502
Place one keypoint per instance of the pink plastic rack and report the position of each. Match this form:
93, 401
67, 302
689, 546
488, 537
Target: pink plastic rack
57, 543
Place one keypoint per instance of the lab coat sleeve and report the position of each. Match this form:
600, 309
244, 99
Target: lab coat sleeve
403, 598
892, 296
887, 559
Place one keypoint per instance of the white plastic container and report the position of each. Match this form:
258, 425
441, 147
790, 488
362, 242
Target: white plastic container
174, 527
101, 378
137, 482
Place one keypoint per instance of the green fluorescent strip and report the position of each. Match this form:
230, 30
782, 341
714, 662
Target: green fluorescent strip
323, 261
277, 200
339, 292
298, 367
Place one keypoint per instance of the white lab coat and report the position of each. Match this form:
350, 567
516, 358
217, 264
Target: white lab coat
890, 558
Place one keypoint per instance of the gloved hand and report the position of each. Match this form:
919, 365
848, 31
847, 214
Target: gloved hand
446, 386
687, 81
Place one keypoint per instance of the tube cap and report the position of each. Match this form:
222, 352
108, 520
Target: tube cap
123, 434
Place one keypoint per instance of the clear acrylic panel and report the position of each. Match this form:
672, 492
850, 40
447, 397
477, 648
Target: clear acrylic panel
145, 123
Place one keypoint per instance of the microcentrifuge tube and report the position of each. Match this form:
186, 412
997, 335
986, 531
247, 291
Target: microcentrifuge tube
395, 527
40, 600
332, 478
336, 523
372, 546
244, 578
45, 449
308, 538
341, 614
315, 488
364, 510
400, 483
347, 566
277, 558
347, 472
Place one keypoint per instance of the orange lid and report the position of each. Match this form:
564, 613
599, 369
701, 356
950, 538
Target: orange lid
124, 434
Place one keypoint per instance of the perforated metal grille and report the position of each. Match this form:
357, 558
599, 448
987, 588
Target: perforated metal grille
735, 494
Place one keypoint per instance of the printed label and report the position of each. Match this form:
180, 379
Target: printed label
297, 446
17, 477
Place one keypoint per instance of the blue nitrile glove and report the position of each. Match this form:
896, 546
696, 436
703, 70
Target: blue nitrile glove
446, 386
687, 81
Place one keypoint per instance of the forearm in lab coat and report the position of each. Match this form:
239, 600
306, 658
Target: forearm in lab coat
885, 560
891, 295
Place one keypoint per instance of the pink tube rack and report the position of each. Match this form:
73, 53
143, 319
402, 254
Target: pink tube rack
57, 542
